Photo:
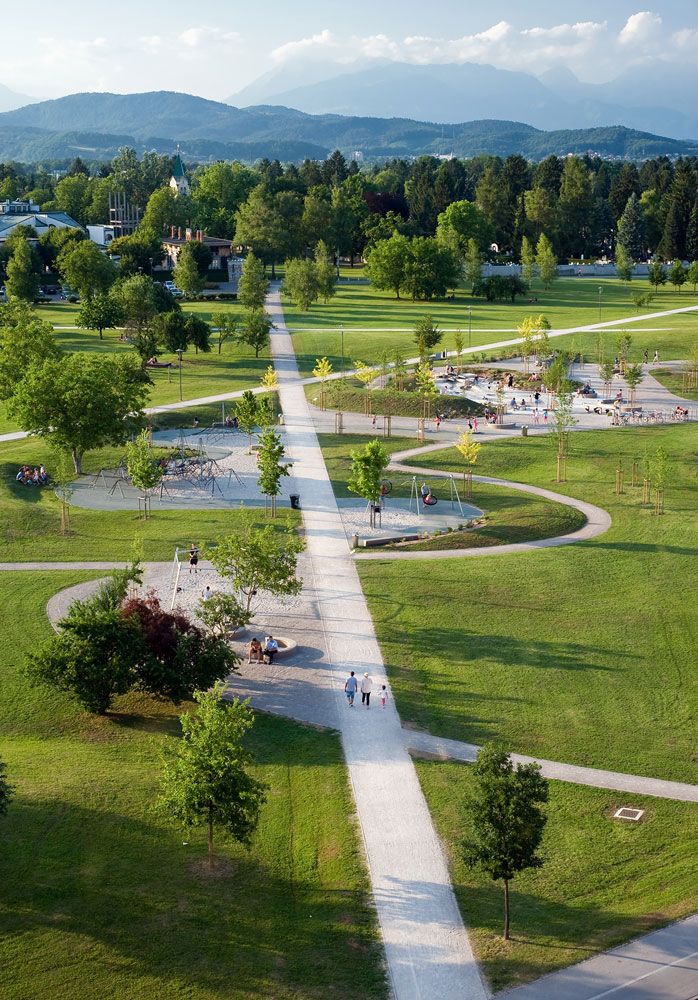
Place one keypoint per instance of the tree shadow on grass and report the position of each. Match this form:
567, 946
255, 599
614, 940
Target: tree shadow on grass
130, 900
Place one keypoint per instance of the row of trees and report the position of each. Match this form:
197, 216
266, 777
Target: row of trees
281, 211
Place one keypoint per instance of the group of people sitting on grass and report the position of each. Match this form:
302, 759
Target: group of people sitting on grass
32, 477
262, 652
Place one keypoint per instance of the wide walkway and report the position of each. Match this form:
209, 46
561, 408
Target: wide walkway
427, 949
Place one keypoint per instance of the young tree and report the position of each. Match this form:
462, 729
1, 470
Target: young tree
227, 327
427, 335
322, 371
186, 272
368, 465
459, 344
623, 345
473, 264
656, 274
259, 560
546, 261
633, 375
301, 282
256, 326
677, 275
270, 379
86, 269
506, 818
692, 275
271, 468
22, 281
325, 273
399, 370
528, 261
100, 312
145, 471
607, 370
624, 264
386, 264
527, 333
81, 402
6, 790
469, 451
253, 285
206, 780
247, 413
563, 421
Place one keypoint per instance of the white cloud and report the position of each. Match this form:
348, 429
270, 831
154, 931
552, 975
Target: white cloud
641, 28
195, 38
687, 38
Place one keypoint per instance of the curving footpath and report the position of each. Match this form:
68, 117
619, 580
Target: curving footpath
597, 520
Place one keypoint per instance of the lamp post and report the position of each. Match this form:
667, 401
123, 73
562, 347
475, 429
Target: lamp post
600, 291
341, 334
180, 352
470, 326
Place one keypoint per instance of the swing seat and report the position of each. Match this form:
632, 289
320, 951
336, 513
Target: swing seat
430, 500
386, 487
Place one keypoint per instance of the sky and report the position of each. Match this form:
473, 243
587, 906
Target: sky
215, 49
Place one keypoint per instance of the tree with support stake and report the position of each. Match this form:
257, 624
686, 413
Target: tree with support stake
63, 485
247, 413
606, 372
563, 421
633, 375
259, 560
145, 471
426, 386
271, 468
660, 472
469, 451
506, 819
206, 779
323, 370
459, 344
270, 379
368, 467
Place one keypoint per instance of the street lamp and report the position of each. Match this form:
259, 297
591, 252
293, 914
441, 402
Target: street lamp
600, 290
180, 352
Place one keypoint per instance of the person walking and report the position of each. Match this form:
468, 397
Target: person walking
193, 559
207, 594
383, 695
350, 686
655, 359
366, 685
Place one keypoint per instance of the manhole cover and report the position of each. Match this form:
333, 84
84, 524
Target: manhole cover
627, 812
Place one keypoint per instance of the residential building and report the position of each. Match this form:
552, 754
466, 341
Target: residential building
23, 213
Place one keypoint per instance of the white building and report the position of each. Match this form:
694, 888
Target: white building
14, 214
178, 181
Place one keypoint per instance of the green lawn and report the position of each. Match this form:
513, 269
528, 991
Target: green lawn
30, 518
673, 381
375, 321
102, 899
583, 653
603, 881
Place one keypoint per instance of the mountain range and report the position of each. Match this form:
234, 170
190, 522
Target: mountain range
94, 126
10, 99
653, 97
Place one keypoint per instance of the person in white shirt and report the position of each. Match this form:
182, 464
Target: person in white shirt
271, 648
366, 685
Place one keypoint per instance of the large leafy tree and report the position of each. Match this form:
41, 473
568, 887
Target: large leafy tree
138, 253
100, 312
461, 222
368, 465
546, 261
219, 191
81, 401
631, 229
325, 273
25, 341
206, 779
260, 225
256, 325
431, 270
505, 818
22, 281
86, 269
301, 282
386, 263
253, 285
259, 560
186, 273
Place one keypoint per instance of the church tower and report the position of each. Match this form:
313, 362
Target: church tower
178, 181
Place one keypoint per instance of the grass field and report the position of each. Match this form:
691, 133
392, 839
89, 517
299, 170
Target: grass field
375, 321
583, 653
603, 881
673, 381
30, 518
102, 899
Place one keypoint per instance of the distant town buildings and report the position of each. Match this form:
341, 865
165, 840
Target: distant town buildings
221, 249
14, 214
179, 181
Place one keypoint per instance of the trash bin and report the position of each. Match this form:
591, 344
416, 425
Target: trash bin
281, 420
524, 430
295, 501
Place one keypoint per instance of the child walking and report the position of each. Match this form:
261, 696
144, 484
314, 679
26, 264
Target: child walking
383, 695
